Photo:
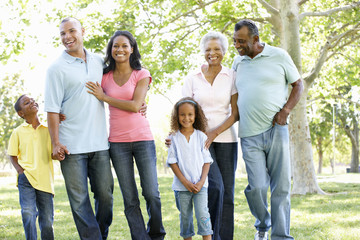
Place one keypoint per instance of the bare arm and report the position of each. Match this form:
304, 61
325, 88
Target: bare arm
15, 163
295, 94
204, 173
59, 150
228, 122
189, 185
133, 105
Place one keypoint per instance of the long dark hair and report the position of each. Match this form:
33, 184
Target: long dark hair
134, 57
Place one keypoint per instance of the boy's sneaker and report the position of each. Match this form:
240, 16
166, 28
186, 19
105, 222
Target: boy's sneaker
261, 236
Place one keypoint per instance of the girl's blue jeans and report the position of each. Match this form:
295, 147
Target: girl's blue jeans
185, 201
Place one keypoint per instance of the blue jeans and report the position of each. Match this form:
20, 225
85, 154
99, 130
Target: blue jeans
184, 202
34, 202
267, 161
76, 168
221, 189
122, 155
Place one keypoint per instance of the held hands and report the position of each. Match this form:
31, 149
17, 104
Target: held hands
198, 186
194, 188
96, 90
281, 116
59, 152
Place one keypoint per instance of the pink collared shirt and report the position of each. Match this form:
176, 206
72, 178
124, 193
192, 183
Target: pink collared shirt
214, 99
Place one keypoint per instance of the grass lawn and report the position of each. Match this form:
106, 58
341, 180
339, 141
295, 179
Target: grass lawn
314, 217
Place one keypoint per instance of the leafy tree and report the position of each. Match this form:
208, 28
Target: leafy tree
168, 32
321, 130
351, 127
161, 153
293, 25
341, 83
349, 120
320, 113
15, 18
10, 90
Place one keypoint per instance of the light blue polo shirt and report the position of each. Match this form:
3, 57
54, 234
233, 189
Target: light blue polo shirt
262, 85
84, 129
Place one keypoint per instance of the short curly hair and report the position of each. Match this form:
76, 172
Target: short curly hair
217, 36
200, 119
17, 103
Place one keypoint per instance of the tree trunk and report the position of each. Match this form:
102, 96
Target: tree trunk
164, 164
304, 177
354, 166
319, 171
321, 155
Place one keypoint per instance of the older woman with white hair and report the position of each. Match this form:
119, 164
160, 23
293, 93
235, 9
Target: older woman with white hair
213, 87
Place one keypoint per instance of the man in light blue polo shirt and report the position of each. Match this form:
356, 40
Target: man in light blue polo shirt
80, 142
263, 74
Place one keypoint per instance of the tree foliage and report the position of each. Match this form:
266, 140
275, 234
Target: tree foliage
339, 84
321, 130
10, 90
317, 34
14, 20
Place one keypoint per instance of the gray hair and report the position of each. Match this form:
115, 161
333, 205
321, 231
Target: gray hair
214, 35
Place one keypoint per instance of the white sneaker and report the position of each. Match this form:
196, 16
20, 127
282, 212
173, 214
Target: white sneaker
261, 236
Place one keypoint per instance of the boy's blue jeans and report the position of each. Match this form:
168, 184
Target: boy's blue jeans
33, 203
267, 160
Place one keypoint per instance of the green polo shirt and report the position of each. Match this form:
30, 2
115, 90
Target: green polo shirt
262, 85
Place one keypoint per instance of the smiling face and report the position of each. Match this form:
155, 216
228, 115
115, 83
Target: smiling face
121, 49
243, 43
71, 34
214, 53
28, 107
186, 115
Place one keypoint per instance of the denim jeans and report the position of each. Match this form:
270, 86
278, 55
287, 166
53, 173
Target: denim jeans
122, 155
221, 189
267, 161
33, 203
76, 169
184, 202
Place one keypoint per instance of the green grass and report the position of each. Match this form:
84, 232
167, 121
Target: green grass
314, 217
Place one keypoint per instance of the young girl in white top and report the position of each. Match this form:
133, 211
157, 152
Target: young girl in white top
190, 161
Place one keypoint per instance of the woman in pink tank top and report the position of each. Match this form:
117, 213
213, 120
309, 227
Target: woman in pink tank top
124, 86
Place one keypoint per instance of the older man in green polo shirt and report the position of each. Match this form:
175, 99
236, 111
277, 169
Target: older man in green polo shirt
263, 74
